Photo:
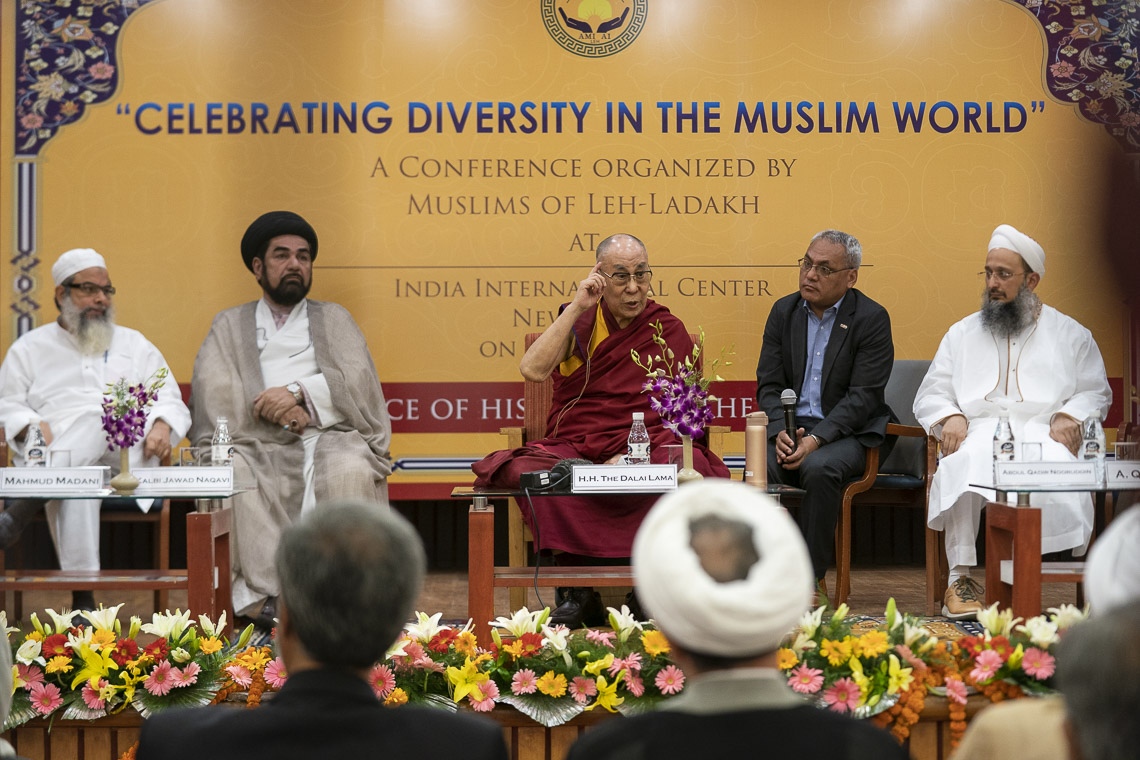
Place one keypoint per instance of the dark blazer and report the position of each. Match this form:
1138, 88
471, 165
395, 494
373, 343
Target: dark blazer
856, 367
319, 713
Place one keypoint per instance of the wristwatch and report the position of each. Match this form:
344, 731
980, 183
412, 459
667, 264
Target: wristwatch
295, 389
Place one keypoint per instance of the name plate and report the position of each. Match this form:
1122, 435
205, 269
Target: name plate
623, 478
1122, 473
184, 480
1077, 473
53, 480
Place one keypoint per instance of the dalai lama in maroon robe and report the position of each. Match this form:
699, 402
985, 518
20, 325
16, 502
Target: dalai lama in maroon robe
597, 387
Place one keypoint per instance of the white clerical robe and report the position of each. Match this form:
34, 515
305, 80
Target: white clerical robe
46, 377
1053, 366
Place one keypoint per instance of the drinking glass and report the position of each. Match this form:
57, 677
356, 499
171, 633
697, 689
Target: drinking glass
1031, 452
189, 456
59, 457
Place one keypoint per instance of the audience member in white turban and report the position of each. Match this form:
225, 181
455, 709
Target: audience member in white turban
1112, 572
1019, 358
726, 575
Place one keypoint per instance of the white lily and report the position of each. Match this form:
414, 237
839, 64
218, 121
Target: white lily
624, 622
60, 621
841, 612
523, 621
29, 652
913, 634
1041, 632
399, 649
179, 655
1067, 615
997, 623
425, 628
82, 638
802, 643
103, 619
811, 621
556, 637
168, 625
209, 627
8, 630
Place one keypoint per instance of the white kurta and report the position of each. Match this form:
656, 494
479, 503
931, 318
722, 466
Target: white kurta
45, 377
1052, 366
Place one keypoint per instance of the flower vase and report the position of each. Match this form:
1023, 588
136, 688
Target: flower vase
687, 474
124, 482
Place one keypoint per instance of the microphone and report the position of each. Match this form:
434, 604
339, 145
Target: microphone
788, 401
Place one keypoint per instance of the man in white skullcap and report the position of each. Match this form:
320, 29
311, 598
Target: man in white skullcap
725, 573
1015, 357
56, 376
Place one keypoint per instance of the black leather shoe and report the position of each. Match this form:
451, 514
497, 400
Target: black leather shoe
265, 619
634, 605
577, 607
15, 518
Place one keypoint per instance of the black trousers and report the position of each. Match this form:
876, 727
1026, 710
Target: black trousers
823, 474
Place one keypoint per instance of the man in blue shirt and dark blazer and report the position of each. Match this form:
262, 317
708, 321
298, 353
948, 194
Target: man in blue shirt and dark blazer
832, 345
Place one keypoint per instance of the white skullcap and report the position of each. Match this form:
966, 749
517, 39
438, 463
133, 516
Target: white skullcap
1005, 236
1112, 572
75, 260
740, 618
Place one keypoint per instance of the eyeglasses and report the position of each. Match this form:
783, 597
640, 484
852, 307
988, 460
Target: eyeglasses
1000, 274
623, 278
822, 270
90, 288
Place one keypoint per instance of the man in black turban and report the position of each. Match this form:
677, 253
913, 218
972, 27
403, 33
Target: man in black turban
297, 386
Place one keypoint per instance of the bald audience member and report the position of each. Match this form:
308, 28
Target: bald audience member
1014, 357
726, 574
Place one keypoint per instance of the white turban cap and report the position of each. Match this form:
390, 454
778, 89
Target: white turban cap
1005, 236
738, 618
75, 260
1112, 572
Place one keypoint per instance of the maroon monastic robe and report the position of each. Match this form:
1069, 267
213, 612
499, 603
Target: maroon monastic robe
595, 426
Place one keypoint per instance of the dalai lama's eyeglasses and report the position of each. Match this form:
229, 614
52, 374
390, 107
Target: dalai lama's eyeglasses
90, 289
622, 278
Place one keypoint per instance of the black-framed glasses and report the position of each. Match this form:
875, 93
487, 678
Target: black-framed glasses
90, 288
1001, 275
623, 278
822, 270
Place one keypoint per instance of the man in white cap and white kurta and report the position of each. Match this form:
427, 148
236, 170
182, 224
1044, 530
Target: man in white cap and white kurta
56, 375
725, 573
1020, 358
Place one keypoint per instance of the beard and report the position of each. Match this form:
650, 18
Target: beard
93, 332
1011, 317
290, 291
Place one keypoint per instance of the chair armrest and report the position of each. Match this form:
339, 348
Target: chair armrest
911, 431
516, 436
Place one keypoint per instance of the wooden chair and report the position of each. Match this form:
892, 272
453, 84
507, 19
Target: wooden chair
537, 398
903, 479
112, 511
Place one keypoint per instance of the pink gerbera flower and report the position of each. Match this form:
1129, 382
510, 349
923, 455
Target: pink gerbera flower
483, 697
45, 697
581, 689
842, 696
276, 676
670, 680
634, 683
1038, 663
30, 675
186, 676
602, 638
986, 665
161, 680
524, 682
382, 678
805, 680
240, 674
956, 691
91, 696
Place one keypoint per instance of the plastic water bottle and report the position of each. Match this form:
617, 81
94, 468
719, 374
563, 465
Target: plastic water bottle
222, 445
35, 449
1003, 443
637, 445
1093, 445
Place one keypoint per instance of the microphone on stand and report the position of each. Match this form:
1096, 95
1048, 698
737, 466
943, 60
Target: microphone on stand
788, 401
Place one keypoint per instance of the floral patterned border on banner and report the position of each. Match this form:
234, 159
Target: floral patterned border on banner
1093, 60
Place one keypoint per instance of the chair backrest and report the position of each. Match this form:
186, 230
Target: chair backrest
909, 454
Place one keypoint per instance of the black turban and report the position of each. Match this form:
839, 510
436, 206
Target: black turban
270, 225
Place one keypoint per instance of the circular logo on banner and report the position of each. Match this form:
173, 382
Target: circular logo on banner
594, 28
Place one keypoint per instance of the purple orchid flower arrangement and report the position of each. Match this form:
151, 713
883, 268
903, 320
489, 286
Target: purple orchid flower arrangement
679, 390
125, 409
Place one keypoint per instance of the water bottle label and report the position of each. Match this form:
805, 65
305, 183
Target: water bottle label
221, 455
1003, 450
35, 457
1092, 449
637, 453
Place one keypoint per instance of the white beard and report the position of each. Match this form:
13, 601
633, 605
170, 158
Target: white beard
93, 334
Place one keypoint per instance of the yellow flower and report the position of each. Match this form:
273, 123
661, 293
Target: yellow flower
397, 697
102, 637
465, 643
786, 658
873, 643
861, 679
553, 684
35, 636
1015, 657
836, 652
465, 679
607, 695
597, 666
58, 664
96, 665
254, 658
210, 645
655, 643
901, 677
